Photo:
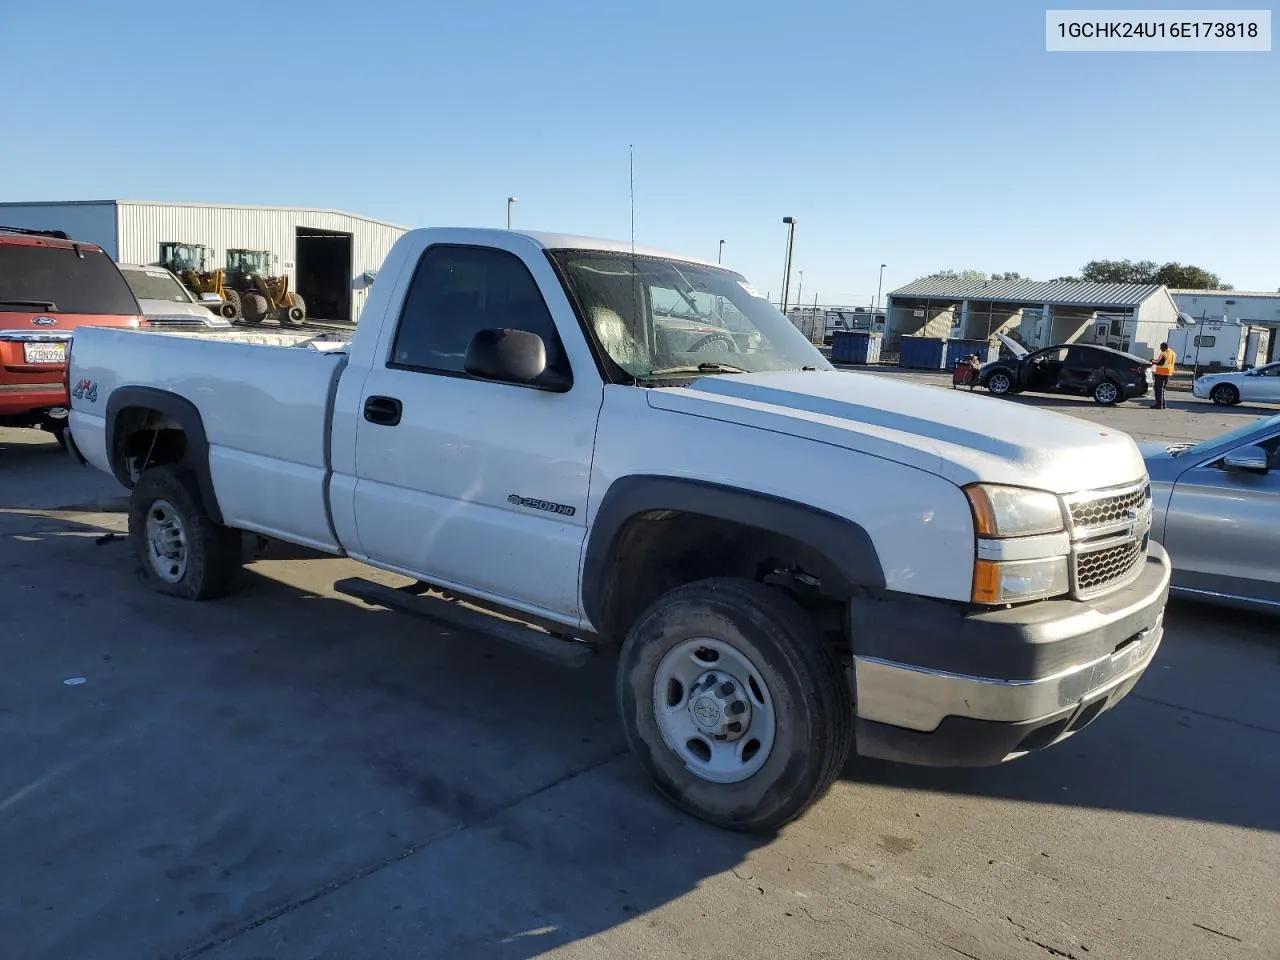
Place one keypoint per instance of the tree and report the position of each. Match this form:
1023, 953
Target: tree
1119, 271
972, 276
1148, 271
1189, 277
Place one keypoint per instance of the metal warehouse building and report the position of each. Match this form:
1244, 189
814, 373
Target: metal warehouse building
1256, 307
1131, 317
328, 256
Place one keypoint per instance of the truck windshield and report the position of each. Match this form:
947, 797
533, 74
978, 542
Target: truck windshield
659, 318
62, 282
155, 285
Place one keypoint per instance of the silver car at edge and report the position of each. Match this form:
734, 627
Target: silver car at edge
1216, 510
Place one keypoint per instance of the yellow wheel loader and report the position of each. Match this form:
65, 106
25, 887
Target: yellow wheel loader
189, 262
262, 295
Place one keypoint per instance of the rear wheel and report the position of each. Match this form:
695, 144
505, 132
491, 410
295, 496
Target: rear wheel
733, 705
1225, 395
1107, 393
180, 550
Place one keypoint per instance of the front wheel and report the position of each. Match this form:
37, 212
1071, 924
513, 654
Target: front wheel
1106, 393
1225, 395
1000, 383
180, 550
733, 705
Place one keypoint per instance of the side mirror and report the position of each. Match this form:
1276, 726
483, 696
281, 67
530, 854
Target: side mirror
1247, 460
508, 356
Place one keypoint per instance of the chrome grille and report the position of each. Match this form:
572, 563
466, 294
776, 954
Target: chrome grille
1099, 569
1104, 510
1109, 530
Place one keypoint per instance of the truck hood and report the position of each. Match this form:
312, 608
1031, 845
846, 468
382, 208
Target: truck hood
958, 435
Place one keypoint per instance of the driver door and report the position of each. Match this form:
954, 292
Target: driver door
1223, 528
467, 483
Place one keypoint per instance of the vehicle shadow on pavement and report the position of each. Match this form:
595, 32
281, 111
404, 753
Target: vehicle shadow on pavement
284, 772
1198, 738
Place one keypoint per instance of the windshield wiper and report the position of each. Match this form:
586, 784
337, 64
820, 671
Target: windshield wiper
700, 368
47, 304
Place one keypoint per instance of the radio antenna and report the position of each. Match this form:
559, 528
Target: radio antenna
631, 152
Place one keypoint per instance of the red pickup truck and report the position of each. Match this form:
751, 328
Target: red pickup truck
49, 285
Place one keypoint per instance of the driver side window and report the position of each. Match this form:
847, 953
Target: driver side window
458, 291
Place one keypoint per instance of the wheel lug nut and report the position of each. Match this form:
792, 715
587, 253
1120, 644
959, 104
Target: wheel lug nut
726, 689
736, 708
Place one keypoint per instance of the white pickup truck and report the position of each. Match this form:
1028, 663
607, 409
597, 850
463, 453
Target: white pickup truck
576, 446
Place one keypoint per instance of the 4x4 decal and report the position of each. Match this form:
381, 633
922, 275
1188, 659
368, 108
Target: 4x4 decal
86, 390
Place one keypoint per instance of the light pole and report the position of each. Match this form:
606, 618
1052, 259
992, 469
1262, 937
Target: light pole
720, 255
510, 203
874, 306
786, 274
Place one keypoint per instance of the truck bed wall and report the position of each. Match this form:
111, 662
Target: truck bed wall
265, 411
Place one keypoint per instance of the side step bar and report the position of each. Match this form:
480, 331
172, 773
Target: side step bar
413, 599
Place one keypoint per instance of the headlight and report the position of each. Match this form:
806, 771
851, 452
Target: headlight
1019, 581
1013, 511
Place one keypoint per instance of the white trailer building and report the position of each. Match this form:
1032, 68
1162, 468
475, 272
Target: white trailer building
1206, 345
328, 256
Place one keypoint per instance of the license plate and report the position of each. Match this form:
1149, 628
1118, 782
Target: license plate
44, 352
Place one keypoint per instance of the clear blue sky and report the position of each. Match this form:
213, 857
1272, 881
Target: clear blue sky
924, 135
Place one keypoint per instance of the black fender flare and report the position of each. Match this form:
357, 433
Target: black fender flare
845, 544
182, 411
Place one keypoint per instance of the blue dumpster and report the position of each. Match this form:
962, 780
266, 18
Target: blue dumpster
855, 346
960, 350
922, 353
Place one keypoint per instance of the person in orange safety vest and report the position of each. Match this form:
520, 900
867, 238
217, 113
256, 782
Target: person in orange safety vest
1164, 366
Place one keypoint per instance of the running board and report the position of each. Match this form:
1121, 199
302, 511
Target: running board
413, 599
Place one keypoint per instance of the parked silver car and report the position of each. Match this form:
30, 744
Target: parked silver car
1217, 512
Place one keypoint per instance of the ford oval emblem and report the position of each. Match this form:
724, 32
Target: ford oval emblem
44, 321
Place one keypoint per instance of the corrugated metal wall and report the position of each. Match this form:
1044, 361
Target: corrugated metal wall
144, 226
91, 222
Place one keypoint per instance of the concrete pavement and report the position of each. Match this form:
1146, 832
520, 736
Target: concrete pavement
286, 773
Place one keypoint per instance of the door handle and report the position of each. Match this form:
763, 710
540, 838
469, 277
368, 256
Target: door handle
384, 411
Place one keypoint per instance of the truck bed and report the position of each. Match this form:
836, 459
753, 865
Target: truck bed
264, 399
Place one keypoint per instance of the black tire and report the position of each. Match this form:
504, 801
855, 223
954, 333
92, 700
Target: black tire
804, 683
212, 553
233, 297
255, 307
1225, 395
59, 431
295, 300
1107, 393
1000, 383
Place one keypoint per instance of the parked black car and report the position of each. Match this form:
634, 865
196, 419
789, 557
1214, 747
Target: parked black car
1083, 370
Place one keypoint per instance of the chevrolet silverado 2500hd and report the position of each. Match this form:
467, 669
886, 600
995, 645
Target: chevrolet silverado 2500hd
572, 444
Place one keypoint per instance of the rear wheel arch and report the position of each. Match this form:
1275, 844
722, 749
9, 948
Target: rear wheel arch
173, 431
654, 533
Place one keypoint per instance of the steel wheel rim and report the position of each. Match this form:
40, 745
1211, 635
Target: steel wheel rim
999, 383
695, 710
166, 542
1107, 392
